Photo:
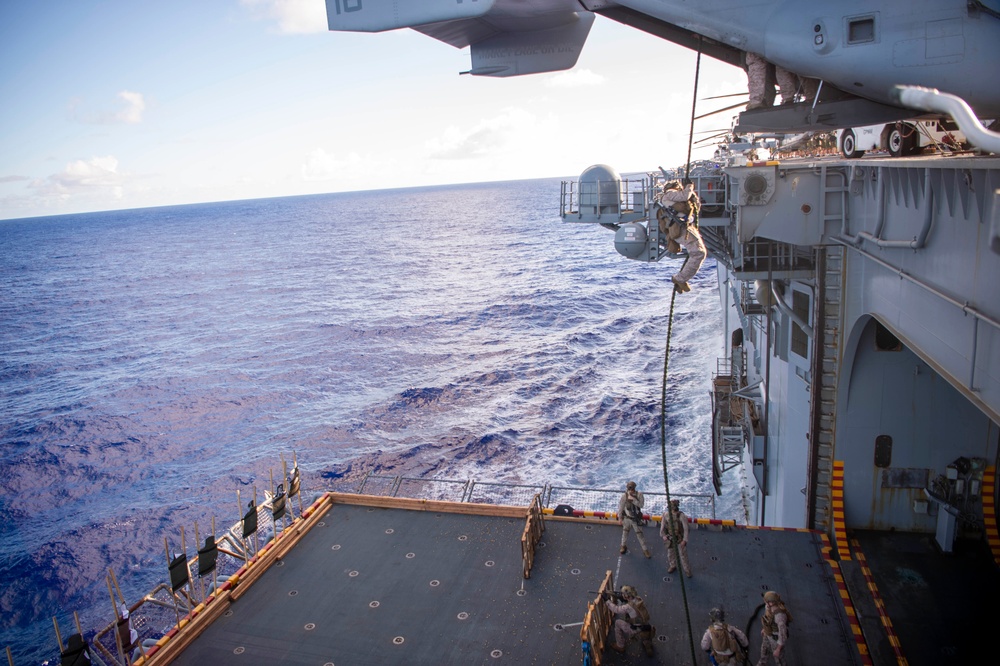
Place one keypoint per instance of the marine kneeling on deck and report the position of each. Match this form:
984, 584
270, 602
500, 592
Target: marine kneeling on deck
634, 620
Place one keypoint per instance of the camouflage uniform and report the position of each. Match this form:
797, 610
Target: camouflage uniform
635, 622
689, 238
790, 83
723, 642
760, 82
674, 528
630, 506
774, 630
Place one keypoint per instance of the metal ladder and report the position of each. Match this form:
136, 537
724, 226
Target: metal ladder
825, 394
841, 190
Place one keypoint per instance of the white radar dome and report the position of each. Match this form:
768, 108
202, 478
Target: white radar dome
600, 190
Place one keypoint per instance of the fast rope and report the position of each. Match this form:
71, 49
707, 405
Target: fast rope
694, 101
666, 477
666, 364
746, 653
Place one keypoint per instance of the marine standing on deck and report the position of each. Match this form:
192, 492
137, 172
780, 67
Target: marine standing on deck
630, 517
774, 629
674, 531
684, 233
723, 643
634, 621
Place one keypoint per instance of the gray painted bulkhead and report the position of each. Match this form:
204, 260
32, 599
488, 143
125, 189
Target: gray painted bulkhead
956, 265
895, 394
914, 237
938, 397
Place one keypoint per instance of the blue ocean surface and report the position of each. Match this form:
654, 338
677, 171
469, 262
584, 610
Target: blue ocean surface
155, 361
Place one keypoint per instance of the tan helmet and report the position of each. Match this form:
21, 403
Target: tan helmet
630, 485
772, 597
629, 592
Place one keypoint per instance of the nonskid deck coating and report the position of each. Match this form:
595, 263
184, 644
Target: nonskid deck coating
934, 600
387, 585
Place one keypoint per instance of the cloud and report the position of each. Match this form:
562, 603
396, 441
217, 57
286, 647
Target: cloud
97, 174
134, 106
321, 165
486, 137
576, 78
12, 179
292, 16
131, 114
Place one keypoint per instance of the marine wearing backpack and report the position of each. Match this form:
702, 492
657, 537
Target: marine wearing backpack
774, 629
634, 621
724, 644
684, 235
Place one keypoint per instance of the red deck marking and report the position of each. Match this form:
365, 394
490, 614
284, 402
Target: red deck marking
839, 524
989, 512
845, 598
883, 615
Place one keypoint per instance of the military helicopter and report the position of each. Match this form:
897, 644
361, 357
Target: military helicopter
859, 49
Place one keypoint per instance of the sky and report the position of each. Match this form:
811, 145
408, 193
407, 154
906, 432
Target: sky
117, 104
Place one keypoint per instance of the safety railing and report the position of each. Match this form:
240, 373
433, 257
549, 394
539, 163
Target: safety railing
600, 501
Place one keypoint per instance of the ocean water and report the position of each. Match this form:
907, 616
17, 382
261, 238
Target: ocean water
155, 361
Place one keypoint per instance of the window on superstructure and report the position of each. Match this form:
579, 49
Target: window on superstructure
800, 341
861, 30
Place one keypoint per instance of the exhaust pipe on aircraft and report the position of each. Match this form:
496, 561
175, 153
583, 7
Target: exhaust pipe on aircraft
931, 99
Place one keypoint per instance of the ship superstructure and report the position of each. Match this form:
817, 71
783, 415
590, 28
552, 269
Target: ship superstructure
872, 333
862, 314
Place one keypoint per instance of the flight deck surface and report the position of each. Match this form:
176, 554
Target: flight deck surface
377, 585
933, 600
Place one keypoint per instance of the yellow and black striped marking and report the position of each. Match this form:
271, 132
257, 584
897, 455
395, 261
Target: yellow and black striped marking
989, 512
845, 599
839, 524
879, 604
